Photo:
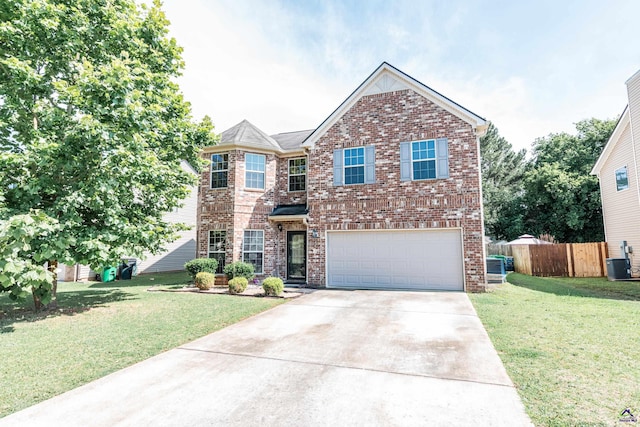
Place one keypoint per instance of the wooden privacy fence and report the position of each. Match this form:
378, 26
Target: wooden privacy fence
499, 249
561, 259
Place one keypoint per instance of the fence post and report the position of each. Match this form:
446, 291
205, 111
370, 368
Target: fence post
603, 258
570, 266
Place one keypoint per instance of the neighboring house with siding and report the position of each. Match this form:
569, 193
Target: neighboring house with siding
385, 193
617, 171
176, 254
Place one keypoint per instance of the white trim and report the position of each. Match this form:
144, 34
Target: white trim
263, 172
306, 169
613, 140
254, 252
478, 123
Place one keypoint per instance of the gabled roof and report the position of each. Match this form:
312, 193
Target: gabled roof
623, 122
245, 134
387, 78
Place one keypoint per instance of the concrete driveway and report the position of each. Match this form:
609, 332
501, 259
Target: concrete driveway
330, 358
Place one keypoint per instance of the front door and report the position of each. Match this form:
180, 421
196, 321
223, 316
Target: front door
297, 256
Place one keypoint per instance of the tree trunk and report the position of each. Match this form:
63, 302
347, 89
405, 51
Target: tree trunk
53, 268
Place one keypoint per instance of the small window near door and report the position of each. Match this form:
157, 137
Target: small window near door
253, 249
622, 180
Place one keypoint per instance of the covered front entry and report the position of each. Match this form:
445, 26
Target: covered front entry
403, 259
297, 256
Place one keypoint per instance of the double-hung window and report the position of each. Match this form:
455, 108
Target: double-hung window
217, 247
219, 170
297, 174
253, 249
255, 166
622, 179
354, 165
423, 159
426, 159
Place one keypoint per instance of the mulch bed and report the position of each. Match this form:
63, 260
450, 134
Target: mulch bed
251, 291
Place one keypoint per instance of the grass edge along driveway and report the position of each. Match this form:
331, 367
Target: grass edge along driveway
101, 328
570, 345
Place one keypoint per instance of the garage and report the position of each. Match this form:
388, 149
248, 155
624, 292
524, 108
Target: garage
404, 259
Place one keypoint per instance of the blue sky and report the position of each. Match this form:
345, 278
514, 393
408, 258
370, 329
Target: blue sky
531, 67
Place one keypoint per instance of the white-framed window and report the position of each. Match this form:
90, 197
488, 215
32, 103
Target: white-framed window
354, 165
622, 179
219, 170
217, 247
253, 249
423, 159
254, 166
298, 174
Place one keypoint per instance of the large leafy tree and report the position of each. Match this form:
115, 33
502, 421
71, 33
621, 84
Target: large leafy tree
502, 172
561, 198
92, 132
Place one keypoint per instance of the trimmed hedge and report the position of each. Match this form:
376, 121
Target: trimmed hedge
205, 280
272, 286
195, 266
238, 285
239, 269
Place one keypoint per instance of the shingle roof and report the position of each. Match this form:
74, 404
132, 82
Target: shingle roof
248, 135
289, 210
292, 140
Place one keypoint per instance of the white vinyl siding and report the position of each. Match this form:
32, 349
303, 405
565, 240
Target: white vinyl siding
620, 208
403, 259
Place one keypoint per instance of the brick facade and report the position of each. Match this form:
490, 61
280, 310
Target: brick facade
382, 120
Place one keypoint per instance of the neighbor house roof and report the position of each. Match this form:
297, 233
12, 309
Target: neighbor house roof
387, 78
623, 122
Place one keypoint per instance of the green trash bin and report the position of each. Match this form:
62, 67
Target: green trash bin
109, 274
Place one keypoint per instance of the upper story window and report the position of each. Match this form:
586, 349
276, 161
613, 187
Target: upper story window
622, 180
255, 166
219, 170
428, 159
297, 174
354, 166
423, 159
217, 247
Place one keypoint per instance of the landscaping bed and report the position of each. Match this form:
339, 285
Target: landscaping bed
570, 345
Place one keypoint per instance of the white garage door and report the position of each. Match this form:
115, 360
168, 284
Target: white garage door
415, 259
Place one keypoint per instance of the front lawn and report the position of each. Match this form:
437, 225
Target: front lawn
103, 327
570, 345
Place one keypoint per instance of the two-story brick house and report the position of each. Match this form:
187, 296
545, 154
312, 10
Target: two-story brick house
385, 193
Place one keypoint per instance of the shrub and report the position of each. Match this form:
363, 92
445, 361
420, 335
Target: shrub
205, 280
237, 285
239, 269
272, 286
195, 266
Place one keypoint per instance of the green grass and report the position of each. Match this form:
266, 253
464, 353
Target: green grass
570, 345
100, 328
